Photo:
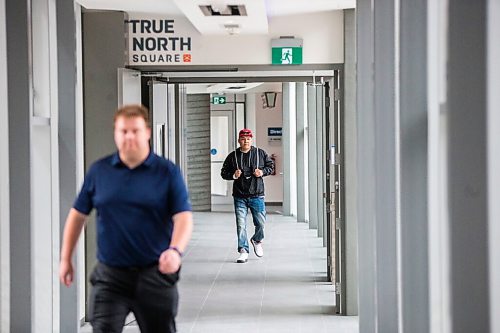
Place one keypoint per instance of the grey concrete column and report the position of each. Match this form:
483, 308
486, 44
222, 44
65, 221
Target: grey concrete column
366, 167
413, 175
467, 170
377, 166
312, 157
18, 64
301, 112
320, 161
385, 191
66, 53
287, 209
350, 133
493, 67
103, 53
289, 150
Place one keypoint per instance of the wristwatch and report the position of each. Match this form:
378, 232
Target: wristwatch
176, 249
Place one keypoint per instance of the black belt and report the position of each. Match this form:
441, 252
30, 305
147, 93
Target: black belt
133, 268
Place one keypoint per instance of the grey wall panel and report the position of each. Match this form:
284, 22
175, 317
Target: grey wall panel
66, 49
312, 157
413, 167
350, 133
198, 150
385, 158
104, 45
320, 161
18, 75
467, 172
366, 169
4, 180
287, 209
103, 53
301, 114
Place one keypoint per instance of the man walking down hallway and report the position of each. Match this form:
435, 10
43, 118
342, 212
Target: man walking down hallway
144, 223
247, 166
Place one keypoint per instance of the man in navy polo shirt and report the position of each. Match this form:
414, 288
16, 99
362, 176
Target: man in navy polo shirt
144, 223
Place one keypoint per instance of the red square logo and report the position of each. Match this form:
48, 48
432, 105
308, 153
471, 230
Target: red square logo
186, 57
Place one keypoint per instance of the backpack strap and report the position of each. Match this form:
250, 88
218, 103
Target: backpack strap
236, 159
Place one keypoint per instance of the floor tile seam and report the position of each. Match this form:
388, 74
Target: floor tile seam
190, 247
288, 225
273, 226
263, 294
315, 281
209, 291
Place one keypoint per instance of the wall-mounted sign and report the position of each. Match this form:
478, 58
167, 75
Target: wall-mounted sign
286, 51
154, 41
219, 100
161, 40
274, 131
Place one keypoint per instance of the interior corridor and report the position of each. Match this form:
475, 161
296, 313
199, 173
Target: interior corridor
285, 291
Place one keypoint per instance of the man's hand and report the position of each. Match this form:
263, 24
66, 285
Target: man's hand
169, 261
74, 225
66, 272
237, 174
258, 173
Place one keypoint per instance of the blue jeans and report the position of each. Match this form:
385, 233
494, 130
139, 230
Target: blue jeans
258, 210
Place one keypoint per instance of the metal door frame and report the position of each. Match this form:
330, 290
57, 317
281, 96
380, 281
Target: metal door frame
336, 174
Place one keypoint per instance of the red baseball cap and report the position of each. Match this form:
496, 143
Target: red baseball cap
245, 132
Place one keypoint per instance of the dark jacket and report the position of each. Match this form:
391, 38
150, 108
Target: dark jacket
247, 185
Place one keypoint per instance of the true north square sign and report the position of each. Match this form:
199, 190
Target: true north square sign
156, 42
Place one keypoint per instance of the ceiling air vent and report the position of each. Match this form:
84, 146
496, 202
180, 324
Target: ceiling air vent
237, 87
224, 10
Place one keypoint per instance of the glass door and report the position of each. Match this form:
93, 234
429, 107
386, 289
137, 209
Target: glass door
221, 144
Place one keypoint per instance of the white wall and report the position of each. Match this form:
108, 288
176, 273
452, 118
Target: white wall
322, 35
4, 180
439, 302
44, 169
494, 160
251, 107
270, 117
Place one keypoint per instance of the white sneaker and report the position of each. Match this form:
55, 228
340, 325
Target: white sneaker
243, 258
257, 248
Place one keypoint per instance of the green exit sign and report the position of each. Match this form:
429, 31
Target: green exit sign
219, 100
287, 55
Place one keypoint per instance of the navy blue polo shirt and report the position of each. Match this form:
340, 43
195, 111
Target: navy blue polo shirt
134, 208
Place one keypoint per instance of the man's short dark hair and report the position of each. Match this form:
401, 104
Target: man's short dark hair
131, 111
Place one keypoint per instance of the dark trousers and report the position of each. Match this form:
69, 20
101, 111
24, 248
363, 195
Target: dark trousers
149, 294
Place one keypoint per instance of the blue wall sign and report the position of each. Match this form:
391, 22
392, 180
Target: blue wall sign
274, 131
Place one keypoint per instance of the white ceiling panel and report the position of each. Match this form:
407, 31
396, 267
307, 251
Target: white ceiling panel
255, 21
293, 7
167, 7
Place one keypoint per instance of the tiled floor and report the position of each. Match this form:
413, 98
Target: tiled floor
285, 291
